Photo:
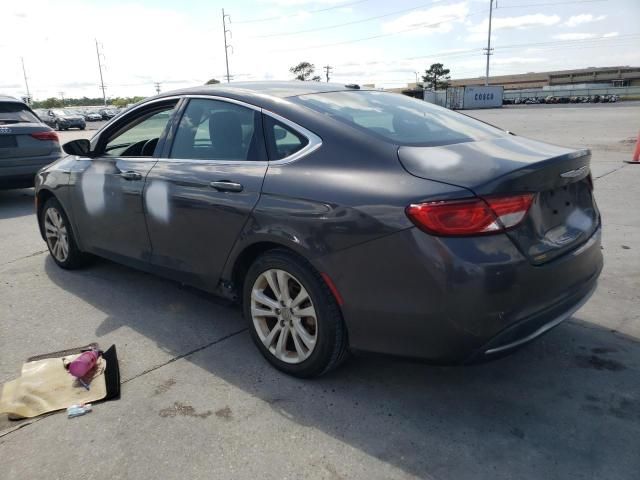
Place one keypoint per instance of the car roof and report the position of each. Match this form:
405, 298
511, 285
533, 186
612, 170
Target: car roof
282, 89
7, 98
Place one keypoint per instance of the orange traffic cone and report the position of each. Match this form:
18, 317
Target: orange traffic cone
636, 153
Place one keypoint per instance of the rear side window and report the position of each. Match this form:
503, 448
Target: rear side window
218, 130
282, 141
11, 112
399, 119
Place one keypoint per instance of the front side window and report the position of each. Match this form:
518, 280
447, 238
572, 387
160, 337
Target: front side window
140, 137
218, 130
399, 119
282, 141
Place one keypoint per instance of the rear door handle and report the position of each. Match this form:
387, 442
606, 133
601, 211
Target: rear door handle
131, 175
226, 186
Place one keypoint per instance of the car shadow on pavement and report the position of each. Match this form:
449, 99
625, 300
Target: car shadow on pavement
566, 406
16, 203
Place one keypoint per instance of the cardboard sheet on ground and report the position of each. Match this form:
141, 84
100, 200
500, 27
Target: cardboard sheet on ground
46, 386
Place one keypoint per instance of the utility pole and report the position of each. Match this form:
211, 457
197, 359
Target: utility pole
26, 83
157, 85
226, 45
489, 49
416, 73
62, 97
102, 87
327, 69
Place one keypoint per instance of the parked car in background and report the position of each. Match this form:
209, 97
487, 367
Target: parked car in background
42, 114
338, 217
108, 113
93, 116
26, 144
64, 119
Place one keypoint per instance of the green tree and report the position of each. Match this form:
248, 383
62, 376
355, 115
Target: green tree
51, 102
213, 81
305, 71
437, 76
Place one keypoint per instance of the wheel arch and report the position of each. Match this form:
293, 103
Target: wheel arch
42, 196
241, 260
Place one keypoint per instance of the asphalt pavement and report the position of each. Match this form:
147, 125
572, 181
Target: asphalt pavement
198, 401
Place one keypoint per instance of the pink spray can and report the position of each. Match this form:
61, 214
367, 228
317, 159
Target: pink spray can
84, 363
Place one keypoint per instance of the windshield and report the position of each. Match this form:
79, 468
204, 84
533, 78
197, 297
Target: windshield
15, 112
399, 119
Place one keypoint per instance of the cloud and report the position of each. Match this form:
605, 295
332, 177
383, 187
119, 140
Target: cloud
439, 19
576, 20
523, 21
610, 35
574, 36
297, 3
517, 60
479, 37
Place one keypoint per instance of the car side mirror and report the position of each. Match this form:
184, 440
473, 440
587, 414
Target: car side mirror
80, 147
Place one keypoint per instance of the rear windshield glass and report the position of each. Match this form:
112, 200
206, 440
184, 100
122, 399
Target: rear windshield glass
15, 113
399, 119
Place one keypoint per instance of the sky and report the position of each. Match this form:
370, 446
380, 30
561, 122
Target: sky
181, 43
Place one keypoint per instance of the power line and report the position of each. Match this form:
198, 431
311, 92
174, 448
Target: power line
382, 35
398, 12
564, 44
277, 17
550, 4
354, 22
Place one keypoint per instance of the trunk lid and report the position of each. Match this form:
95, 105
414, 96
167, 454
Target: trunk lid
16, 143
563, 214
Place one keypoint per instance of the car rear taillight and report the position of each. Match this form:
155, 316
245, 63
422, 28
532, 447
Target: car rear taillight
477, 216
50, 135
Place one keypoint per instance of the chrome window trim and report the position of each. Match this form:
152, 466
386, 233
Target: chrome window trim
133, 109
314, 141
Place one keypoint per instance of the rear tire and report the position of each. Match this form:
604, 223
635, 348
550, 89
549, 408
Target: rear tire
59, 236
304, 338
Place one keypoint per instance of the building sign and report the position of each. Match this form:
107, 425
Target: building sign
482, 97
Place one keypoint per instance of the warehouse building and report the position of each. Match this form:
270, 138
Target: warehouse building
602, 76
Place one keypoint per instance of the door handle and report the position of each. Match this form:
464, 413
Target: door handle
226, 186
131, 175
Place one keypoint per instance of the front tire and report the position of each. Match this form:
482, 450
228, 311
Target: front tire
59, 236
293, 317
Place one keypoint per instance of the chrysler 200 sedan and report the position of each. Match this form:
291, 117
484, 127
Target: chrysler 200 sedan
340, 219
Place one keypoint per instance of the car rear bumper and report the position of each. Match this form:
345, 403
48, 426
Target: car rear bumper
23, 173
452, 300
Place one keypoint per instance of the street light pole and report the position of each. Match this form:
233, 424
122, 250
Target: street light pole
104, 96
226, 46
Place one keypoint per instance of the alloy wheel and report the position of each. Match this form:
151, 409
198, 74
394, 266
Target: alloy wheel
284, 316
56, 234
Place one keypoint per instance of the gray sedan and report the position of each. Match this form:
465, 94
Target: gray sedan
340, 219
26, 144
